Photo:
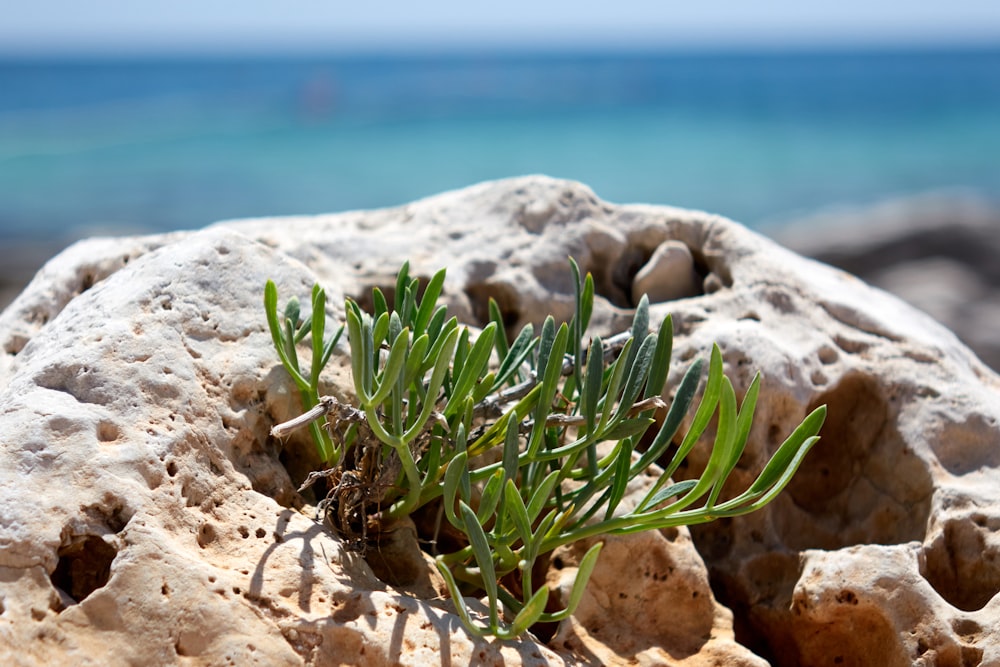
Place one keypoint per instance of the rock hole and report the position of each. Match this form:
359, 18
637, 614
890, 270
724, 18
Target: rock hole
859, 484
962, 564
387, 286
507, 299
972, 656
84, 566
827, 355
206, 535
107, 431
260, 533
670, 272
966, 627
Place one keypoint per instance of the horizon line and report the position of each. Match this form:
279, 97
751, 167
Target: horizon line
513, 49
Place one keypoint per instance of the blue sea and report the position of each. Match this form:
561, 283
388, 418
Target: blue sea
123, 145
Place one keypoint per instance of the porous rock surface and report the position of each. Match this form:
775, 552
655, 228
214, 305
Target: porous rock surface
146, 516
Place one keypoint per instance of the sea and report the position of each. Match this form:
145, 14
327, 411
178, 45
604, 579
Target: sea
142, 144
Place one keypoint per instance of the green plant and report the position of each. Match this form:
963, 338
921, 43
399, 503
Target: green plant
528, 446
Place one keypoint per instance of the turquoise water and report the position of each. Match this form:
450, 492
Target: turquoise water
762, 138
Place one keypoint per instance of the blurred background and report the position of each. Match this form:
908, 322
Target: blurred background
810, 123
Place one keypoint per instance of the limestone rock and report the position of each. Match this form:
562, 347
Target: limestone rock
936, 251
669, 274
146, 516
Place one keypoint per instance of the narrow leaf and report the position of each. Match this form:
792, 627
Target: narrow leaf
484, 558
675, 415
475, 365
619, 481
429, 302
531, 612
402, 281
786, 453
393, 366
519, 351
517, 512
378, 302
492, 491
660, 367
450, 484
497, 317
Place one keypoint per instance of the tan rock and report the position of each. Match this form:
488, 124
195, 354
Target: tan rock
669, 274
146, 517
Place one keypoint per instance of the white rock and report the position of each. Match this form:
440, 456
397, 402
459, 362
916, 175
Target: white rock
146, 517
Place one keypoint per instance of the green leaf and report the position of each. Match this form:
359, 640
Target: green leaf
429, 301
461, 353
379, 303
591, 392
542, 494
583, 572
292, 312
577, 326
517, 512
393, 366
437, 345
415, 359
483, 387
379, 331
318, 332
355, 336
721, 458
545, 344
474, 366
619, 481
511, 448
409, 310
742, 432
531, 612
640, 325
786, 475
329, 347
675, 415
484, 558
627, 428
491, 496
277, 337
402, 282
705, 411
456, 595
673, 490
437, 377
788, 450
395, 326
660, 367
519, 351
436, 323
452, 480
497, 318
617, 371
636, 376
550, 384
586, 302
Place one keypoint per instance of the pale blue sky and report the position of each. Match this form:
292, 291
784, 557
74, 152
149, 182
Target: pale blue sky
48, 26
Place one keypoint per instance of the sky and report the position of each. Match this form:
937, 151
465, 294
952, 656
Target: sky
248, 26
